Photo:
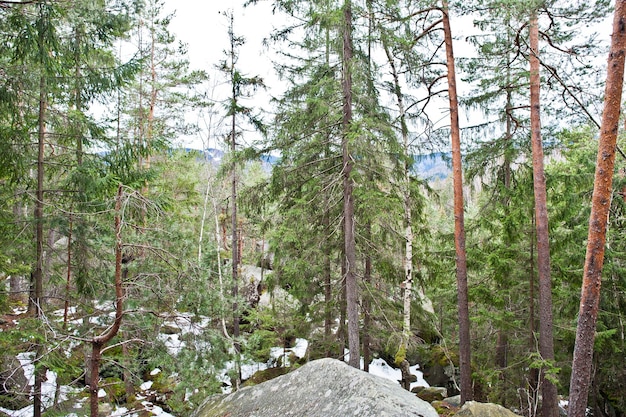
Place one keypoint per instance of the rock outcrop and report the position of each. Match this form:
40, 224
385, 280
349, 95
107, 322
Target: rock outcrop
476, 409
14, 388
321, 388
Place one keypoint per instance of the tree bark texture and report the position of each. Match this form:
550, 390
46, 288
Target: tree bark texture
600, 205
37, 276
546, 345
533, 374
348, 196
459, 221
341, 329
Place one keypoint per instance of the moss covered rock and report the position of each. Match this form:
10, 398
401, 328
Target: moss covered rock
321, 388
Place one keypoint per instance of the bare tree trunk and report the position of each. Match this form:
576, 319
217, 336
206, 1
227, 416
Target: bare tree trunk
341, 330
348, 196
37, 275
233, 217
600, 205
328, 292
367, 302
98, 342
501, 359
95, 357
533, 373
546, 344
367, 233
459, 222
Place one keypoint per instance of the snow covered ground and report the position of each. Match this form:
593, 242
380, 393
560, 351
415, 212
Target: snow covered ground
381, 368
174, 344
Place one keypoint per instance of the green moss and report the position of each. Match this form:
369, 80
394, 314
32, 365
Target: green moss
265, 375
114, 387
444, 409
400, 355
441, 356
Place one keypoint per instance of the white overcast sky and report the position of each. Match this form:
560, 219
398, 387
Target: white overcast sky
199, 24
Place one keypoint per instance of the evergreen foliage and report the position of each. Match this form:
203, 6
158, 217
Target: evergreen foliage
62, 159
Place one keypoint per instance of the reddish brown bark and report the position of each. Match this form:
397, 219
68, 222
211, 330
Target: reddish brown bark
600, 205
533, 373
459, 218
546, 344
98, 342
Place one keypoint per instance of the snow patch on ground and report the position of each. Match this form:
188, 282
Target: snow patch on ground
172, 342
378, 367
156, 410
381, 368
48, 386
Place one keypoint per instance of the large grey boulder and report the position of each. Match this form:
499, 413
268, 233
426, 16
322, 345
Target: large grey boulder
476, 409
321, 388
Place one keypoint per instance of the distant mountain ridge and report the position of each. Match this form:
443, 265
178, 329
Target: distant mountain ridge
430, 167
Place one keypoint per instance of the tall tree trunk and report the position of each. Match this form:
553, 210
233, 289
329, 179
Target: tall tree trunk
37, 275
600, 205
341, 330
367, 232
328, 292
459, 222
98, 342
348, 196
233, 216
533, 373
367, 301
546, 345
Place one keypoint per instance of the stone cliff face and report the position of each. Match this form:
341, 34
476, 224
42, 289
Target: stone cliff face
321, 388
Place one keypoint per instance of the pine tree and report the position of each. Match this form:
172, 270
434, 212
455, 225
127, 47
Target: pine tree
590, 297
459, 224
